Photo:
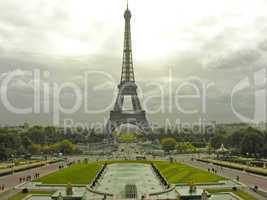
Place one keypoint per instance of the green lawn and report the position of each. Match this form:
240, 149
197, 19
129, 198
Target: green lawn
20, 195
239, 193
76, 174
173, 172
180, 173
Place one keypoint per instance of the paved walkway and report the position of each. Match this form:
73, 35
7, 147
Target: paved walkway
254, 194
247, 179
10, 181
8, 194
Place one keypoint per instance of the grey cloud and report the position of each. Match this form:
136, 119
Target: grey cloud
26, 44
239, 59
263, 45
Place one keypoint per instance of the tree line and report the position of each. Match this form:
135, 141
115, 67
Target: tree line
247, 141
39, 140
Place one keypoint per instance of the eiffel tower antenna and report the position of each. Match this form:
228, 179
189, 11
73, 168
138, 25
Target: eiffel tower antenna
127, 4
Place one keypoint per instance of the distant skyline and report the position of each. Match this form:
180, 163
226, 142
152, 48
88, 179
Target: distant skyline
217, 42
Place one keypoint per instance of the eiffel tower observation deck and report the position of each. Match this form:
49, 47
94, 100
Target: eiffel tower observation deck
127, 88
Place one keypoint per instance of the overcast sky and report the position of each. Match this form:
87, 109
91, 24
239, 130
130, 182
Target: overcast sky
219, 42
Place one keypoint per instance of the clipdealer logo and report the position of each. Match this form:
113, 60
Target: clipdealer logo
257, 82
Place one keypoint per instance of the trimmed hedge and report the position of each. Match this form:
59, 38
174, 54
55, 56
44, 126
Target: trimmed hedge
262, 172
26, 167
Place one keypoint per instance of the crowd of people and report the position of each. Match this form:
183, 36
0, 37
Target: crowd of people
28, 178
22, 179
213, 170
2, 187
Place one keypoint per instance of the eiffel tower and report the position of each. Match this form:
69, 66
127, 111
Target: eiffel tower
127, 87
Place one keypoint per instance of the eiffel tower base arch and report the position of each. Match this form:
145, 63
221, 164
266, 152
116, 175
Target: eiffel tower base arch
137, 119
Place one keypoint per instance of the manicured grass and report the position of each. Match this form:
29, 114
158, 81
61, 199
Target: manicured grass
180, 173
174, 173
76, 174
20, 195
239, 193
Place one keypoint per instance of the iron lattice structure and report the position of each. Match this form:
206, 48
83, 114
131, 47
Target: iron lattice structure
127, 87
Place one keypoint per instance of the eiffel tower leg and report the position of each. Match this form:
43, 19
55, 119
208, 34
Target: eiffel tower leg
119, 103
145, 127
109, 128
136, 103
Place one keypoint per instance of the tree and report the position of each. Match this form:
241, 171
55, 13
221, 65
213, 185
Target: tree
218, 140
26, 142
168, 143
35, 149
186, 147
209, 147
181, 147
252, 143
65, 147
236, 138
127, 138
191, 148
51, 135
36, 134
3, 154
